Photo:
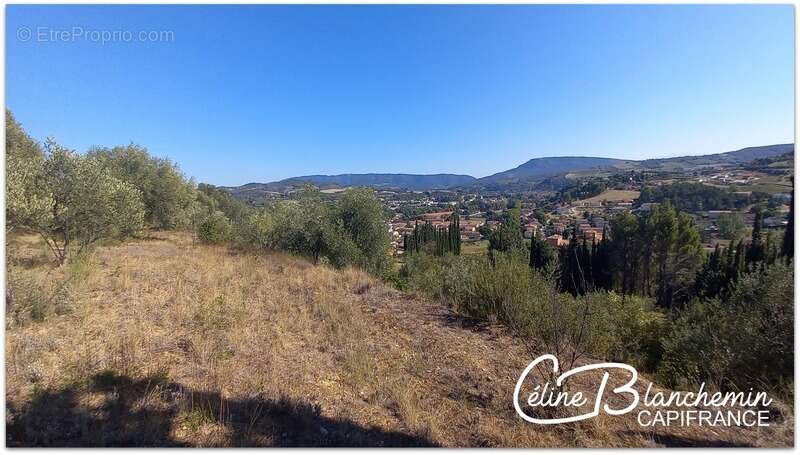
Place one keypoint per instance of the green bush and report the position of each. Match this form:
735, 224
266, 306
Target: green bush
215, 229
350, 231
635, 328
508, 290
738, 342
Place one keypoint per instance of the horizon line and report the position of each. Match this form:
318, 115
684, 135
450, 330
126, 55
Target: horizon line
508, 169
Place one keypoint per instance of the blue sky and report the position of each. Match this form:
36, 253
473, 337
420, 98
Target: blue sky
260, 93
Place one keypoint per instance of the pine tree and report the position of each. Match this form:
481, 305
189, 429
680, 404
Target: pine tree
710, 280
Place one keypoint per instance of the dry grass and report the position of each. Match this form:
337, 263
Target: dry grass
613, 196
173, 344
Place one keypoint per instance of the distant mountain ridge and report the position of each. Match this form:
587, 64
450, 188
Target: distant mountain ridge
744, 155
409, 181
536, 169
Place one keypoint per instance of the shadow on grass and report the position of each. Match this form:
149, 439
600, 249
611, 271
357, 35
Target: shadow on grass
463, 322
672, 440
112, 410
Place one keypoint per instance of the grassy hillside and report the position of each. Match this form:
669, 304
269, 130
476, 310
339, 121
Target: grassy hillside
162, 342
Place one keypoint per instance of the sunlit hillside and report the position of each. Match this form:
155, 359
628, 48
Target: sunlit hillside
158, 341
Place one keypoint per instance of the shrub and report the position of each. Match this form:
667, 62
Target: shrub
635, 328
347, 232
508, 290
215, 229
740, 341
30, 298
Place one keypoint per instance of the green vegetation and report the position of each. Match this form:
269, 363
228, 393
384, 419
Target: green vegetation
215, 229
743, 339
645, 294
695, 197
507, 238
439, 241
654, 255
349, 231
167, 195
584, 189
731, 225
68, 199
601, 323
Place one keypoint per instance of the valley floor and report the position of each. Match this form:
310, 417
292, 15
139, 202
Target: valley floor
168, 343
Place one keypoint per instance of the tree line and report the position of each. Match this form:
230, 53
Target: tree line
646, 294
75, 201
658, 255
697, 196
440, 241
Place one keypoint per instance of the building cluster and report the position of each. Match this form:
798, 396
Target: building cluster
587, 218
589, 229
733, 177
468, 227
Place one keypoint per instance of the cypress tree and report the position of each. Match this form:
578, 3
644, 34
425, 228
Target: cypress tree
787, 246
739, 262
541, 253
755, 251
456, 234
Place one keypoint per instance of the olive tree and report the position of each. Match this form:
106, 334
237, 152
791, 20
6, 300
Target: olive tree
168, 196
77, 203
215, 229
349, 231
26, 199
360, 217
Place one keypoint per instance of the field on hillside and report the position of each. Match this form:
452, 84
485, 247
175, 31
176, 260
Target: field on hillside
160, 342
613, 196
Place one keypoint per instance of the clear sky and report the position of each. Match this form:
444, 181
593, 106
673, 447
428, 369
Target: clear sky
259, 93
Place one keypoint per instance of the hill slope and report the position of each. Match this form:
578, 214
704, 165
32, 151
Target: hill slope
741, 156
168, 343
544, 167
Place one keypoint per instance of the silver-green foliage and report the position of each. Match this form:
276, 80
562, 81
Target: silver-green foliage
69, 199
350, 231
169, 197
215, 229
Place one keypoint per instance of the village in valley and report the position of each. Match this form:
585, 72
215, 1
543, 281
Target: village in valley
721, 192
554, 216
